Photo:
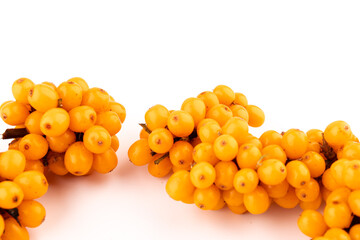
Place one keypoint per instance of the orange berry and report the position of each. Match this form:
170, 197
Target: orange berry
220, 113
33, 146
105, 162
240, 99
156, 117
196, 108
70, 94
294, 142
55, 122
61, 143
139, 152
82, 118
256, 116
78, 159
270, 137
96, 98
225, 94
210, 99
14, 113
81, 82
225, 147
240, 111
160, 140
97, 139
180, 123
119, 109
42, 97
110, 121
248, 156
32, 122
236, 127
21, 88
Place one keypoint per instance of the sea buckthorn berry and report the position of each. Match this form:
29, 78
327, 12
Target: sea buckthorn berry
309, 192
288, 201
245, 180
160, 169
209, 132
256, 115
42, 97
297, 173
248, 156
240, 111
337, 170
96, 98
14, 113
325, 192
105, 162
14, 144
181, 154
78, 159
12, 163
253, 140
278, 190
179, 185
273, 152
202, 175
115, 144
204, 152
55, 122
236, 127
14, 231
225, 147
315, 135
240, 99
31, 213
337, 133
295, 143
110, 121
160, 140
139, 152
205, 122
339, 195
11, 195
56, 163
209, 98
2, 225
220, 113
351, 174
50, 84
257, 201
70, 94
312, 223
35, 165
21, 88
313, 205
180, 123
314, 147
189, 199
272, 172
354, 202
329, 181
221, 204
97, 139
355, 232
175, 169
82, 83
233, 197
207, 198
337, 234
33, 146
32, 122
119, 109
238, 209
156, 117
225, 94
225, 172
61, 143
270, 137
143, 133
32, 183
337, 215
82, 118
351, 151
196, 108
315, 163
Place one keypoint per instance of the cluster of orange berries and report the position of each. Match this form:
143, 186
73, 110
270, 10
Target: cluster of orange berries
215, 162
66, 129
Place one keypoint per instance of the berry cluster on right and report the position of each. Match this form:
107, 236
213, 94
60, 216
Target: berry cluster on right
214, 161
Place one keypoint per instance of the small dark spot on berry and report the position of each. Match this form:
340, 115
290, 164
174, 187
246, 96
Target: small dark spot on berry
282, 169
201, 206
92, 117
242, 184
246, 147
20, 80
26, 146
100, 143
31, 92
15, 199
48, 126
181, 162
355, 166
302, 183
4, 116
307, 157
78, 172
222, 186
158, 141
202, 177
71, 82
223, 143
335, 202
303, 195
175, 118
346, 127
44, 182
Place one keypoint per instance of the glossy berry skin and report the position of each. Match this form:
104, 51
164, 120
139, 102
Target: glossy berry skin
337, 133
35, 165
237, 128
209, 132
220, 113
240, 111
297, 173
339, 195
11, 195
354, 202
225, 94
238, 209
270, 137
257, 201
33, 146
97, 139
351, 175
160, 140
329, 182
245, 180
207, 198
119, 109
179, 185
309, 192
196, 108
209, 98
115, 144
14, 231
225, 173
139, 152
105, 162
54, 122
82, 118
312, 223
278, 190
272, 172
156, 117
110, 121
337, 215
202, 175
337, 170
78, 159
42, 97
96, 98
31, 213
295, 143
248, 156
337, 233
14, 113
256, 116
273, 151
70, 94
180, 123
32, 183
315, 163
288, 201
32, 122
81, 82
204, 152
12, 163
313, 205
20, 89
225, 147
161, 169
61, 143
240, 99
56, 164
181, 154
233, 197
355, 232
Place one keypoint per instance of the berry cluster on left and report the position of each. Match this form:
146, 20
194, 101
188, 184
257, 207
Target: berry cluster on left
68, 129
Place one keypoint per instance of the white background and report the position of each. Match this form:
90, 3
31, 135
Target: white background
298, 60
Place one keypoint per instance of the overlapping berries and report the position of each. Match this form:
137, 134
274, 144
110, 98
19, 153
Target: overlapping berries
215, 162
66, 129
